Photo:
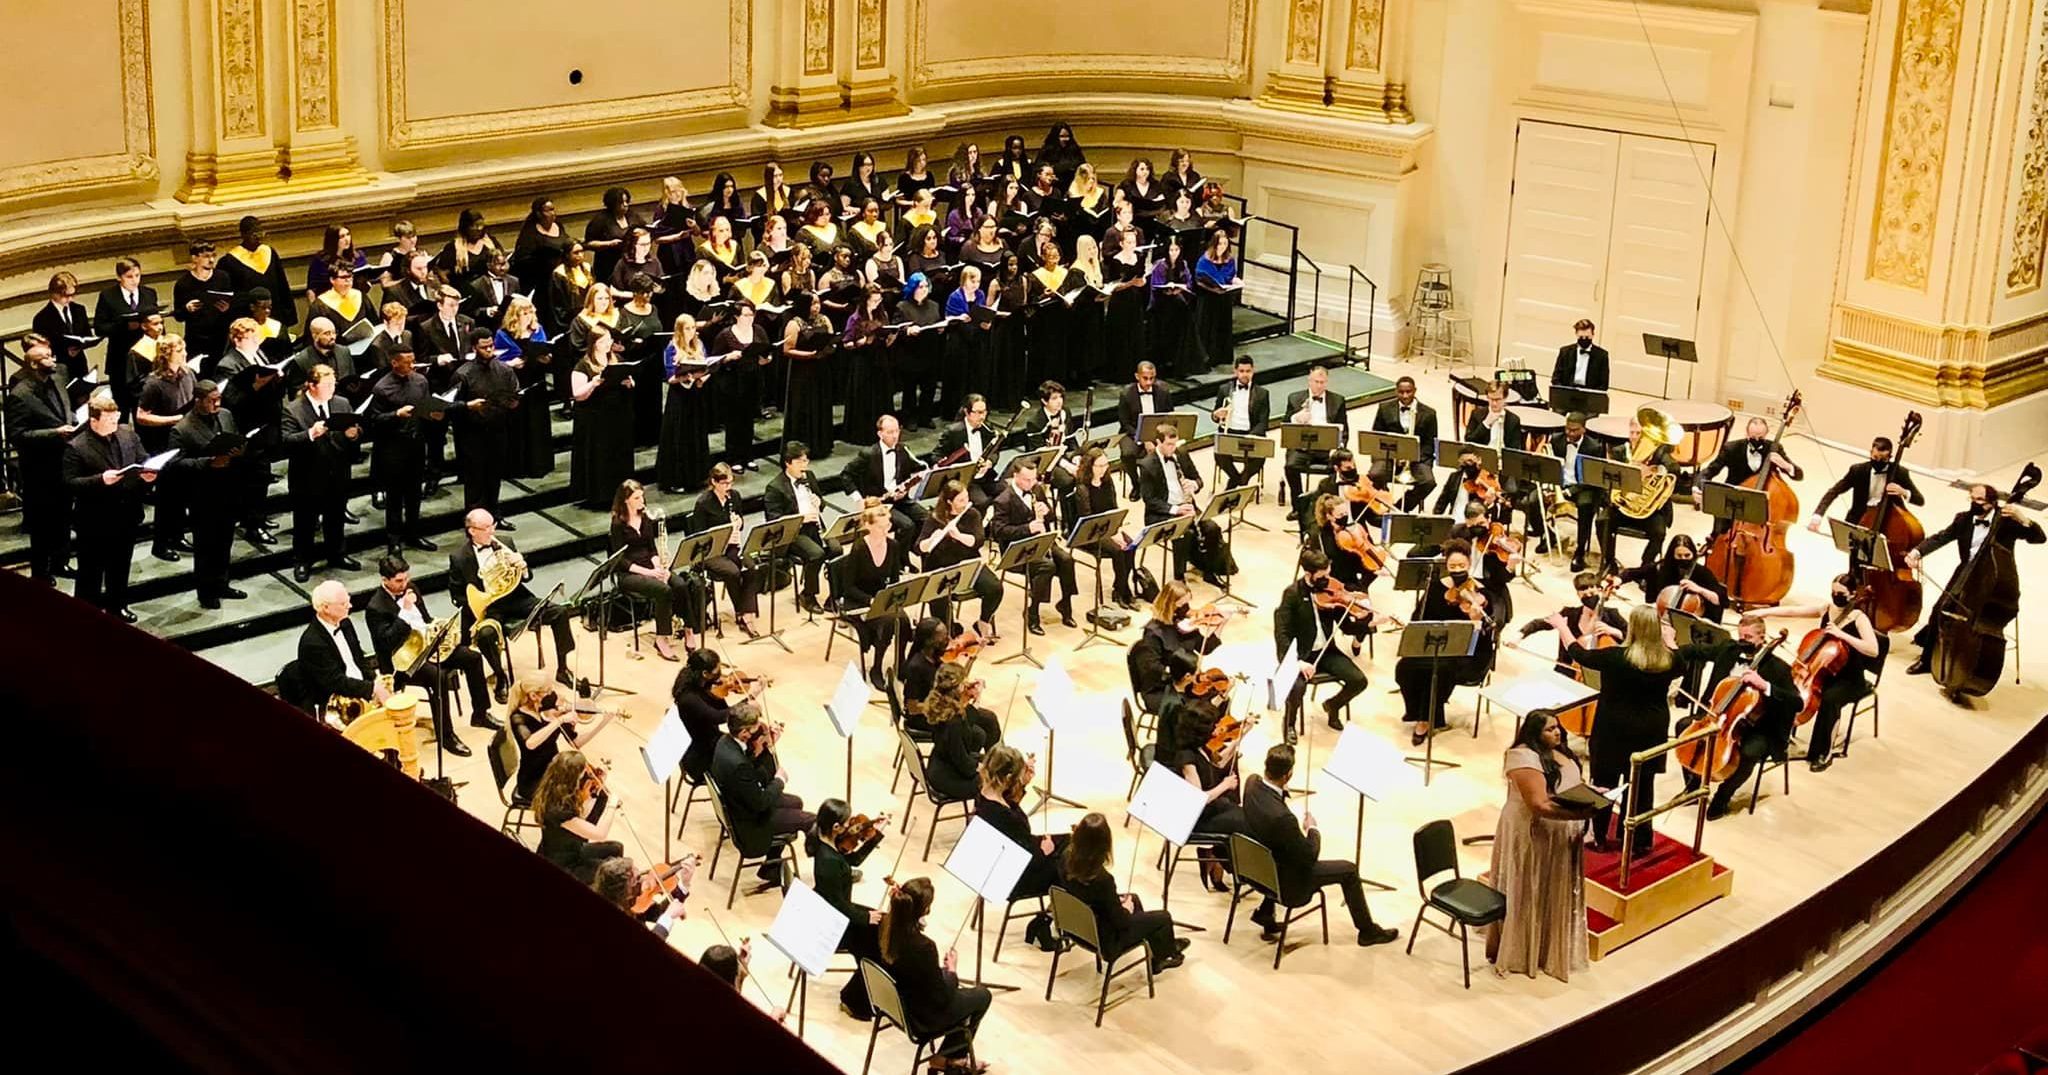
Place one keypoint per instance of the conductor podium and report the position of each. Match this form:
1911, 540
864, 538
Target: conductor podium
1669, 883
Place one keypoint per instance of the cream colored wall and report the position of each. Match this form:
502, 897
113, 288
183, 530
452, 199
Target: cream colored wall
81, 119
967, 47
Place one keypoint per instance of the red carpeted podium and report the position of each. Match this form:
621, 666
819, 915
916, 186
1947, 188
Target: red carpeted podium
1671, 882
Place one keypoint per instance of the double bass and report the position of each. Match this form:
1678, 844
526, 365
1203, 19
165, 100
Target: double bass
1730, 709
1752, 559
1971, 614
1894, 596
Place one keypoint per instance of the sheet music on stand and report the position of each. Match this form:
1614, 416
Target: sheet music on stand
663, 752
1280, 684
1167, 804
988, 862
1055, 699
841, 531
1866, 547
1367, 764
848, 701
807, 929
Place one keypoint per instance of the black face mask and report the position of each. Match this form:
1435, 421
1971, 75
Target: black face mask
1470, 470
1745, 649
1459, 577
1349, 474
1758, 444
1880, 465
1591, 600
1841, 600
1681, 559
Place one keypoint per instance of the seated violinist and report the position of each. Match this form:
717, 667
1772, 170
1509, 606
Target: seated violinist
840, 843
571, 802
1169, 648
1006, 773
620, 883
1841, 621
1356, 556
1496, 555
1365, 505
1581, 623
961, 732
1455, 596
1206, 757
750, 782
1308, 620
700, 694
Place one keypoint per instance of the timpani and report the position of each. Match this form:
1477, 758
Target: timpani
1468, 394
1706, 428
1539, 424
1612, 428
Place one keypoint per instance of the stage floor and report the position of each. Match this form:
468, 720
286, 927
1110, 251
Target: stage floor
1327, 1007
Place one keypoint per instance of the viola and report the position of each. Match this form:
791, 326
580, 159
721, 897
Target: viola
1482, 485
1753, 558
661, 881
733, 683
1893, 598
858, 831
591, 784
1467, 598
1210, 617
1730, 709
1364, 492
1335, 595
1227, 734
1355, 539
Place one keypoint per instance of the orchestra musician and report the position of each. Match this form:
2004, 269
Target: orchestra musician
323, 439
1656, 524
960, 732
1633, 714
1169, 648
751, 783
1214, 774
952, 534
1455, 596
1023, 510
39, 427
1310, 629
1006, 773
795, 491
1770, 734
108, 503
466, 566
330, 660
214, 479
886, 471
1589, 502
971, 436
543, 724
834, 868
1404, 414
646, 574
1167, 497
574, 822
617, 882
397, 610
1985, 519
1243, 409
717, 506
1343, 474
1498, 428
1297, 848
1049, 426
1866, 482
1681, 579
1581, 364
1314, 405
1095, 493
1741, 460
1838, 619
932, 994
1123, 920
875, 560
1580, 624
403, 406
1145, 396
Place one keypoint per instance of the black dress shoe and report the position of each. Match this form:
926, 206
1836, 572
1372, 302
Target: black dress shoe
209, 602
1032, 625
166, 555
483, 719
232, 594
1336, 722
810, 604
422, 544
125, 615
1168, 963
349, 517
502, 693
1066, 609
1377, 935
302, 573
455, 746
876, 681
262, 539
180, 545
1578, 565
1819, 763
508, 526
1919, 667
345, 563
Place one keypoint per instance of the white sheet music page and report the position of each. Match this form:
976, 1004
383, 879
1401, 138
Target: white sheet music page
666, 746
807, 929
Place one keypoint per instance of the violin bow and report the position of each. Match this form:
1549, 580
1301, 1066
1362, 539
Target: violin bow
745, 971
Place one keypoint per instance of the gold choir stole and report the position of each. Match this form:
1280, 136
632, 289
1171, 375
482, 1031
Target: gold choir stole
349, 307
257, 259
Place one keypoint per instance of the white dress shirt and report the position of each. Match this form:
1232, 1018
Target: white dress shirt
341, 646
1240, 409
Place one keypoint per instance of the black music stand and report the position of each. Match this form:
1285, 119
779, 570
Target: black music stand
1614, 476
1091, 533
1419, 531
963, 470
894, 598
1243, 448
1228, 505
1672, 349
691, 554
843, 530
1305, 437
953, 584
531, 623
767, 542
1867, 548
1395, 448
1534, 470
1042, 456
1435, 641
1161, 535
1565, 399
1452, 449
608, 571
1735, 504
1023, 554
437, 703
1148, 426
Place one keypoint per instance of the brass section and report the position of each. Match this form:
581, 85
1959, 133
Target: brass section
1922, 90
1659, 429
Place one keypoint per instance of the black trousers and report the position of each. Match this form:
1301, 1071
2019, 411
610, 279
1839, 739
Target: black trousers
46, 514
1326, 873
1420, 473
1203, 546
1646, 795
172, 495
213, 538
512, 610
1296, 466
906, 518
1058, 563
742, 583
106, 547
1153, 929
1411, 674
876, 635
1653, 530
987, 587
1589, 503
463, 662
786, 816
483, 472
401, 475
1755, 748
969, 1005
1236, 473
812, 551
680, 590
1350, 677
1843, 691
317, 523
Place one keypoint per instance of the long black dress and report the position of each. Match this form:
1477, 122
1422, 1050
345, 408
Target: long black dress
870, 387
1169, 320
644, 337
1051, 328
733, 393
1087, 359
684, 457
1009, 364
534, 258
808, 417
1123, 320
602, 453
919, 360
532, 445
967, 367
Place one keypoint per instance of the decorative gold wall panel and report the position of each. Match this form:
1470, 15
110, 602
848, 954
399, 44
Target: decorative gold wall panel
871, 34
240, 66
1970, 366
404, 130
1923, 79
1209, 43
1368, 21
313, 88
1305, 32
135, 160
2030, 210
817, 37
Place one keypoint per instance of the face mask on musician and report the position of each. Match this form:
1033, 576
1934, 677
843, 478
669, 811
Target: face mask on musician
1459, 577
1841, 600
1590, 600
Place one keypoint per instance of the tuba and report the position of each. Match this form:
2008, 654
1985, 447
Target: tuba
1658, 429
504, 575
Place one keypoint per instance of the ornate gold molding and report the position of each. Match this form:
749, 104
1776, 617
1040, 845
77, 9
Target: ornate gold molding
404, 131
313, 63
239, 68
136, 160
2030, 211
1974, 367
1923, 78
1080, 67
817, 37
1305, 32
871, 34
1368, 24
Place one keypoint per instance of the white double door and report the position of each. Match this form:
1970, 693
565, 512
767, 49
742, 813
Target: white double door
1606, 226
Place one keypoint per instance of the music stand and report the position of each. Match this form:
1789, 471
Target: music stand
768, 541
843, 529
1413, 574
607, 571
531, 623
1695, 630
1614, 476
1535, 469
692, 552
1228, 505
430, 659
1161, 535
1566, 399
1306, 437
1148, 426
1435, 641
951, 584
1363, 763
1090, 533
1243, 448
941, 475
1866, 548
1735, 504
1453, 449
1419, 531
1672, 349
1041, 456
1025, 553
894, 598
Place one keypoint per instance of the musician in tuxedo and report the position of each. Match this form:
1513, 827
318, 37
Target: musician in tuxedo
1020, 512
1657, 523
322, 440
1168, 495
64, 322
1142, 397
1769, 732
970, 438
396, 610
488, 421
108, 499
1311, 632
750, 781
330, 658
795, 492
884, 470
117, 318
212, 465
1741, 460
1588, 502
1050, 426
1314, 405
401, 408
489, 293
1865, 482
466, 566
1297, 846
1582, 363
1242, 409
1405, 414
39, 426
1985, 519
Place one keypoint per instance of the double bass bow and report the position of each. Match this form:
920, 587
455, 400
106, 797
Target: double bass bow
1752, 559
1894, 597
1971, 614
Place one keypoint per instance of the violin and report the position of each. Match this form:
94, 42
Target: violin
964, 647
1355, 539
1227, 734
1482, 486
1467, 598
1203, 682
733, 683
1364, 492
662, 881
858, 831
1334, 595
591, 784
1210, 617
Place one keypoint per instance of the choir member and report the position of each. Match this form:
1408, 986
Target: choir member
807, 342
342, 303
252, 263
685, 451
525, 348
118, 317
402, 407
415, 288
567, 286
492, 292
871, 377
200, 301
488, 422
922, 350
968, 340
860, 186
255, 393
337, 250
161, 404
741, 349
1169, 315
604, 235
1216, 287
39, 424
1062, 152
108, 498
64, 322
642, 335
542, 246
396, 262
1180, 174
322, 439
210, 465
601, 452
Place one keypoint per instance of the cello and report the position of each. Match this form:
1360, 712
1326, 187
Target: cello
1820, 658
1729, 710
1971, 614
1894, 596
1752, 559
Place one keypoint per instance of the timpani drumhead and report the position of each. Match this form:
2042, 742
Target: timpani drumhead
1538, 424
1706, 428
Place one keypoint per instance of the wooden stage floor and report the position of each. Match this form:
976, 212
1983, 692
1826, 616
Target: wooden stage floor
1327, 1008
